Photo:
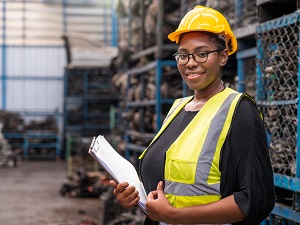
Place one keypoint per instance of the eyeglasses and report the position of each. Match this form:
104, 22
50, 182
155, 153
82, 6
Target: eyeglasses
199, 56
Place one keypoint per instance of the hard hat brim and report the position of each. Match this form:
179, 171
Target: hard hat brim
175, 36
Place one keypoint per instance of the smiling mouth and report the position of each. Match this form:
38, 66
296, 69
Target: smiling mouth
191, 75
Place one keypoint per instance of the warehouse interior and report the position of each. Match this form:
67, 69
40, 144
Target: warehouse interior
75, 69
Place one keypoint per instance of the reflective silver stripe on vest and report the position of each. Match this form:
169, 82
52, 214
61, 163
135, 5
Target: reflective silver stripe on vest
173, 109
201, 187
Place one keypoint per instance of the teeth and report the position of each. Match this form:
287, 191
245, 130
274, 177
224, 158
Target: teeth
193, 75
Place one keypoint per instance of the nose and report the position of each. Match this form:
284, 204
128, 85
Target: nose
191, 61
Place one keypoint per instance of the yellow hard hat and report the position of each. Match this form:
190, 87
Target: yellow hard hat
206, 19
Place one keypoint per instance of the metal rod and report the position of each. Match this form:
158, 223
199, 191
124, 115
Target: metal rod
159, 28
4, 55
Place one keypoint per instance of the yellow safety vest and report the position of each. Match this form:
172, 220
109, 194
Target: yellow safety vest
192, 175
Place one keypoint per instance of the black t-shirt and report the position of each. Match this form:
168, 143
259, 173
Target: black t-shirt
244, 163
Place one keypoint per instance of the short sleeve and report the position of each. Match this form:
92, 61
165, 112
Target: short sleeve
245, 166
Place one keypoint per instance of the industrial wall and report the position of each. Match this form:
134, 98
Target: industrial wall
33, 55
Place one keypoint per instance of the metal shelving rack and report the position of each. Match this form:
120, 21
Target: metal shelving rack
277, 95
32, 149
21, 38
137, 139
158, 103
246, 21
77, 156
269, 72
37, 143
89, 99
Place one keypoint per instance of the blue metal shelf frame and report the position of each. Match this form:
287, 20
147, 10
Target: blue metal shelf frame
26, 144
241, 56
283, 181
4, 55
84, 98
158, 65
157, 102
238, 9
41, 134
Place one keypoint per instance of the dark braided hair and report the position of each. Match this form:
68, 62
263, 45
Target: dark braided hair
221, 44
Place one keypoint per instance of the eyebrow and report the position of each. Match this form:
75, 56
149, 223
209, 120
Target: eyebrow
196, 49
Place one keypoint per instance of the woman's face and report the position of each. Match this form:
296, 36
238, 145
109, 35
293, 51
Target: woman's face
200, 76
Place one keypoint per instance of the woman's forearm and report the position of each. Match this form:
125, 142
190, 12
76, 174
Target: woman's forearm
220, 212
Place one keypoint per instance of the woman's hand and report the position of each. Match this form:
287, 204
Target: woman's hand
224, 211
127, 195
158, 206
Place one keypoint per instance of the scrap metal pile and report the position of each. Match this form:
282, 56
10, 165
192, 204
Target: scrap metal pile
15, 123
143, 88
277, 90
85, 184
92, 105
85, 176
7, 156
15, 128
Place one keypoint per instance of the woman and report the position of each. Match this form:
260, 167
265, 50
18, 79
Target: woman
209, 163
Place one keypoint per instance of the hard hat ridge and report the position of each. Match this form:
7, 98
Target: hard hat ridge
206, 19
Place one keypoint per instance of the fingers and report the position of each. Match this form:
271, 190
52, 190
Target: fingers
159, 189
121, 187
127, 195
113, 183
128, 198
160, 186
155, 194
118, 187
124, 193
152, 195
131, 200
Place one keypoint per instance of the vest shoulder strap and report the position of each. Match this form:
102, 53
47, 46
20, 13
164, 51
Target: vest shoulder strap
175, 105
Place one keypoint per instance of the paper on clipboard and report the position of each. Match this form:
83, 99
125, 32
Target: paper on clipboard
117, 166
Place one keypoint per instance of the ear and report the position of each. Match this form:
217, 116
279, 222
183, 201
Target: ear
223, 57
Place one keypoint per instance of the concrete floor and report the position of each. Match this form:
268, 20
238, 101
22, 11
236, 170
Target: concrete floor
29, 195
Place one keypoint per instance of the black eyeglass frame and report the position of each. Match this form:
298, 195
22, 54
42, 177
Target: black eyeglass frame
193, 55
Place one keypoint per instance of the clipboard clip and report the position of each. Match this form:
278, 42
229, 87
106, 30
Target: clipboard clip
92, 145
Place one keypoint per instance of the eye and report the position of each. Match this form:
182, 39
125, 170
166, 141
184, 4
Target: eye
201, 54
182, 56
